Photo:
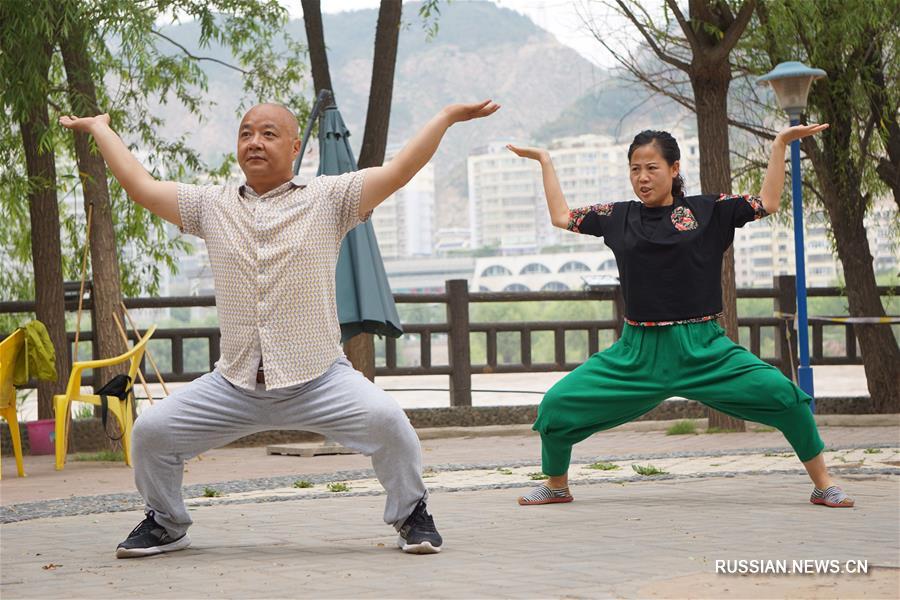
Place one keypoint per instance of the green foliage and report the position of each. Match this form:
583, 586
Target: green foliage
338, 487
603, 466
648, 470
542, 342
504, 471
537, 476
84, 411
430, 12
303, 483
102, 456
872, 451
683, 427
209, 492
135, 68
848, 40
508, 344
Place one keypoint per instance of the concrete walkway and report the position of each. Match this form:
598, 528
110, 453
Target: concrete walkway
725, 497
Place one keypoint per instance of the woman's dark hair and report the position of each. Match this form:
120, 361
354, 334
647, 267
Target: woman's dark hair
668, 147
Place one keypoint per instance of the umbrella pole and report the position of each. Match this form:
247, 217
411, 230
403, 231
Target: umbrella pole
324, 98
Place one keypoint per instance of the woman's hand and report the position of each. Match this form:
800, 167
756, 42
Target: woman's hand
466, 112
83, 124
789, 134
773, 182
538, 154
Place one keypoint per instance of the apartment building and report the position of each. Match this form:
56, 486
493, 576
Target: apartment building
765, 248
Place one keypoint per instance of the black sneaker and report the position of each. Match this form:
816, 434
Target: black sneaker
149, 537
418, 534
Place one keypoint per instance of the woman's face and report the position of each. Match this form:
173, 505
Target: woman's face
651, 176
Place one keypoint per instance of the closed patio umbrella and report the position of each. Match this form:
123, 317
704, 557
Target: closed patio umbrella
364, 299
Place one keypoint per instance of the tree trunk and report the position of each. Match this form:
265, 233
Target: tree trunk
846, 210
378, 114
710, 86
878, 346
106, 289
315, 42
361, 349
45, 249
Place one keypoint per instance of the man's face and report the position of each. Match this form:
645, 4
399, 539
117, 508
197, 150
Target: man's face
267, 143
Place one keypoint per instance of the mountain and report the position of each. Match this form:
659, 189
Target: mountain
481, 51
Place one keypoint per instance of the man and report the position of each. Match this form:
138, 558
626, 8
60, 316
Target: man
273, 245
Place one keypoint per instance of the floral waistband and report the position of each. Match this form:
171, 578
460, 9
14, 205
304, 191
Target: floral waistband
676, 322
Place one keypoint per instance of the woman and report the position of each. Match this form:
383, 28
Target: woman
669, 249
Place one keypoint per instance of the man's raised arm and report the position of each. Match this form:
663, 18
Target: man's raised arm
381, 182
159, 197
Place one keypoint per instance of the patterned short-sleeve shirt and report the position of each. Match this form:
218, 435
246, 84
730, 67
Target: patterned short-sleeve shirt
273, 259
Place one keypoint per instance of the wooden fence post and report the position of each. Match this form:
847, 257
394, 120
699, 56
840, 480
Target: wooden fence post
460, 360
785, 301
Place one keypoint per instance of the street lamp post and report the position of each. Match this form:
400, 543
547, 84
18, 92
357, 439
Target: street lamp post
791, 82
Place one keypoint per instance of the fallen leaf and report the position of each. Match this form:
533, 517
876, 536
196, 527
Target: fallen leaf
49, 567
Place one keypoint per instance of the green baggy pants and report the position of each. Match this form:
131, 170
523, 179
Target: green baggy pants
649, 364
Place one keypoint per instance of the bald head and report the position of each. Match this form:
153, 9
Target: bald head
268, 142
277, 113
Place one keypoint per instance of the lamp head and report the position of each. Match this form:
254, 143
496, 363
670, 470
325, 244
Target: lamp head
791, 82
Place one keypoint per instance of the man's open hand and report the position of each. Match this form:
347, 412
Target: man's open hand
84, 124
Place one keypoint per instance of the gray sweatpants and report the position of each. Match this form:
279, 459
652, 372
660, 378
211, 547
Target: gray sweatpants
210, 412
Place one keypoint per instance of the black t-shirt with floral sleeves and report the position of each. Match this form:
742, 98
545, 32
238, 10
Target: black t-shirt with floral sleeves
669, 257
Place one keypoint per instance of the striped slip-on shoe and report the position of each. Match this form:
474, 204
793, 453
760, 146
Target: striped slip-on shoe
833, 497
543, 494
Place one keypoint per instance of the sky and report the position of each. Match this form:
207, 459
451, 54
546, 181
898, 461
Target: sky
562, 18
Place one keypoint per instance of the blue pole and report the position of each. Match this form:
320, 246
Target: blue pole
804, 371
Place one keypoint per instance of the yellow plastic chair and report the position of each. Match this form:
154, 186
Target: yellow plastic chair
9, 350
117, 407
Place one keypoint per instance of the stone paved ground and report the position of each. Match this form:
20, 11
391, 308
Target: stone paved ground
614, 541
620, 538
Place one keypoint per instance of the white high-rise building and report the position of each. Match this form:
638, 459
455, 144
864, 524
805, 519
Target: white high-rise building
765, 248
504, 195
404, 222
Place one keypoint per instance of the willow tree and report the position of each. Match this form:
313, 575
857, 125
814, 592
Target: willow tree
26, 53
857, 159
58, 58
